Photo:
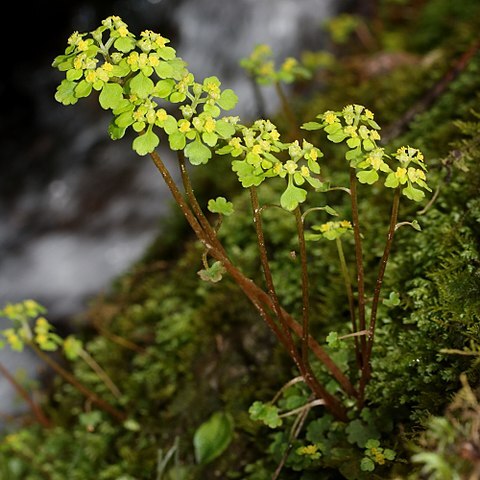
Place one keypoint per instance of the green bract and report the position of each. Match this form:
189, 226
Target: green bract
132, 75
260, 65
355, 125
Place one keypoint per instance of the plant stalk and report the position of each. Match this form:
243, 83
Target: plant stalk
366, 373
34, 407
348, 287
359, 262
91, 395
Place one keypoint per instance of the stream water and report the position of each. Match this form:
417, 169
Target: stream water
76, 208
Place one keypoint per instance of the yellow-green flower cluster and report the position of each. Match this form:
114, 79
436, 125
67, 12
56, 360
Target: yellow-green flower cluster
132, 75
260, 65
330, 230
45, 338
410, 174
310, 451
355, 125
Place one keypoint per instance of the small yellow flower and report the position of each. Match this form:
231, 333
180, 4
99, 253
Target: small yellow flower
305, 172
326, 227
74, 38
289, 64
274, 135
313, 154
184, 125
209, 125
290, 166
401, 173
82, 45
308, 450
266, 69
91, 76
235, 142
330, 117
41, 338
346, 224
257, 149
123, 31
277, 168
153, 60
78, 62
368, 114
161, 115
351, 131
132, 59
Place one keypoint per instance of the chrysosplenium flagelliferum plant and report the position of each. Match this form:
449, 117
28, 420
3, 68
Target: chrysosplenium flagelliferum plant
149, 89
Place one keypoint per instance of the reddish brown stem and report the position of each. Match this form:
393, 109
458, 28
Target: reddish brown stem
359, 261
260, 299
67, 376
34, 407
305, 288
366, 373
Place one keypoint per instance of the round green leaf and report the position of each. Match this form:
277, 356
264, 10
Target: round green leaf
141, 85
176, 140
145, 143
197, 152
292, 196
213, 437
228, 99
220, 205
65, 93
311, 126
111, 96
367, 176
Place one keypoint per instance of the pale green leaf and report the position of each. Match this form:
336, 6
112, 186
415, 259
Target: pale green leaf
111, 96
292, 197
141, 85
228, 99
197, 152
367, 176
220, 205
145, 143
213, 437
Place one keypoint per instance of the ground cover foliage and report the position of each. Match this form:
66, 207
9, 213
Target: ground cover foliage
197, 371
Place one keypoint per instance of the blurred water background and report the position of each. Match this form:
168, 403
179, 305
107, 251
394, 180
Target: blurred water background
77, 209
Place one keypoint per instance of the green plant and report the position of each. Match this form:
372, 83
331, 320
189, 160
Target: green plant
132, 75
42, 339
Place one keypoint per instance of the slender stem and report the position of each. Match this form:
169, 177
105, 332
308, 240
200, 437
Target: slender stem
257, 220
178, 197
261, 300
305, 287
378, 286
92, 396
90, 361
192, 199
359, 261
348, 287
34, 407
294, 432
287, 110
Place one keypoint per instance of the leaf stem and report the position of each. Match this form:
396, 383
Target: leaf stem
305, 287
34, 407
359, 261
348, 287
68, 377
376, 294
